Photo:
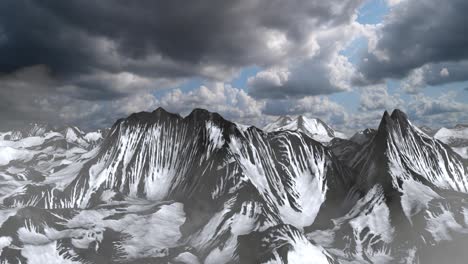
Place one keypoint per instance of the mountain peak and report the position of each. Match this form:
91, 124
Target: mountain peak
397, 120
199, 114
150, 117
401, 151
399, 116
313, 127
160, 110
384, 123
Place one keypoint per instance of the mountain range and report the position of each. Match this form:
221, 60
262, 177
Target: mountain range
161, 188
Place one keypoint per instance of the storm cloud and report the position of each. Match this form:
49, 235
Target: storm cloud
99, 51
420, 33
90, 62
164, 38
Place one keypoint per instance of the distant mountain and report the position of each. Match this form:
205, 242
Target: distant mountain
39, 153
363, 136
72, 134
456, 137
161, 188
313, 127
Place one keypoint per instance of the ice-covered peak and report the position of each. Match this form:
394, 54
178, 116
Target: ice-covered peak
313, 127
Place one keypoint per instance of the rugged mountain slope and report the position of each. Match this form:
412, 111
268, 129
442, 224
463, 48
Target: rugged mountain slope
428, 130
230, 181
347, 149
413, 192
37, 154
363, 136
162, 188
313, 127
29, 130
406, 153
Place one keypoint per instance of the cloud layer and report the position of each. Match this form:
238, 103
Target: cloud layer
90, 62
420, 34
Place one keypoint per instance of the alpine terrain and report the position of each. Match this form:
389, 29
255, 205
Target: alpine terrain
161, 188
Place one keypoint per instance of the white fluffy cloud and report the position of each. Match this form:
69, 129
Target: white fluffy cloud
444, 110
376, 97
230, 102
418, 38
321, 71
414, 82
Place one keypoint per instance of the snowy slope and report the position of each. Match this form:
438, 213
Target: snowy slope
413, 199
240, 180
313, 127
162, 188
41, 156
456, 137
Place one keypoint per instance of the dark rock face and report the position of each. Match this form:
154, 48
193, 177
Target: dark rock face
162, 188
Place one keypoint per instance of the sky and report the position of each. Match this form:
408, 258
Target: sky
88, 63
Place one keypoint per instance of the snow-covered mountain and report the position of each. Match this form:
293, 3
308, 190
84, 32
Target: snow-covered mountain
413, 200
456, 137
162, 188
313, 127
40, 153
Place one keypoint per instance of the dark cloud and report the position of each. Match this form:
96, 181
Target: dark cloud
19, 95
418, 33
440, 73
444, 110
32, 95
317, 76
323, 71
169, 37
96, 52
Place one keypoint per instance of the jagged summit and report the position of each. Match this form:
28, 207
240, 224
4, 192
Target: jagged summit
149, 117
398, 114
397, 120
162, 115
400, 151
